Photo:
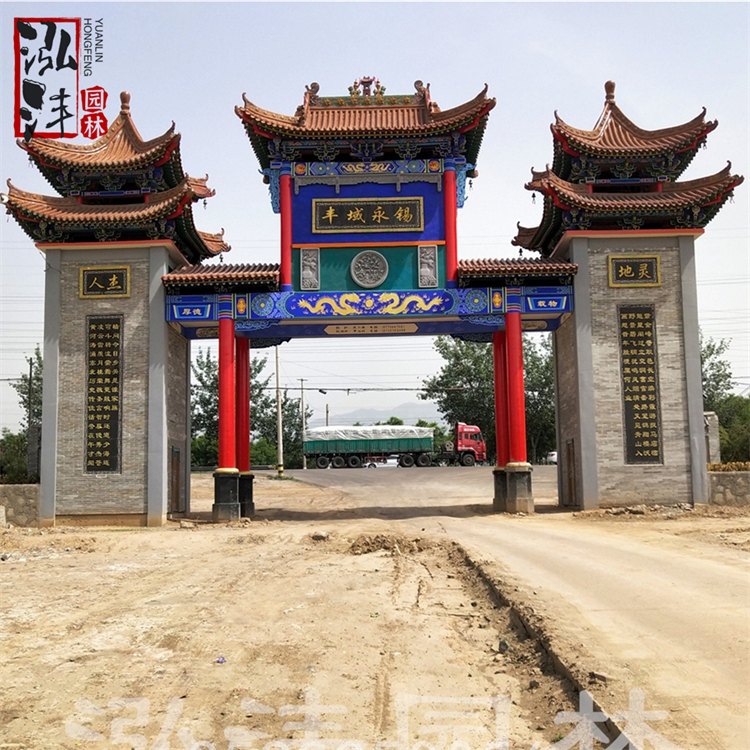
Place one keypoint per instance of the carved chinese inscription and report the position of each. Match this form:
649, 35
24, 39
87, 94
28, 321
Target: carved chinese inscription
103, 393
99, 282
640, 384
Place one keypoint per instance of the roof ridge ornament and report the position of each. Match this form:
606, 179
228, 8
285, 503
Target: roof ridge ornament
124, 101
609, 90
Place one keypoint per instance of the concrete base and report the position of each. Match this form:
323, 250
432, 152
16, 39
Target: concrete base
247, 506
226, 505
513, 489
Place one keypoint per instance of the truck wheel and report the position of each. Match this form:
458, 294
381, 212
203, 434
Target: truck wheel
338, 462
423, 460
354, 462
322, 462
407, 461
468, 459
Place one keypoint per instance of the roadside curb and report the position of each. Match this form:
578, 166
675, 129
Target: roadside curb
535, 627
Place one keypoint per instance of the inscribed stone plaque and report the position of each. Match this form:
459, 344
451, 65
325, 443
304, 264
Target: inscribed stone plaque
634, 270
640, 384
341, 215
103, 393
108, 281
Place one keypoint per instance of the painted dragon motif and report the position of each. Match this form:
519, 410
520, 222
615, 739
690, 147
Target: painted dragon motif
342, 306
394, 308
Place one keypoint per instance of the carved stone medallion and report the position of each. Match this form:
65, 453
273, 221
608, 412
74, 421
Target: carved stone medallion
369, 269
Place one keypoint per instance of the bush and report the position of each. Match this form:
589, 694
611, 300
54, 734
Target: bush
732, 466
13, 458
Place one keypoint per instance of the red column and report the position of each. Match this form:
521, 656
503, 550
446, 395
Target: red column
451, 236
500, 361
516, 399
227, 448
242, 431
285, 201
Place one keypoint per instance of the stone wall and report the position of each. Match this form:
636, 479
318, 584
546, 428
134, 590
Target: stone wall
729, 487
21, 503
78, 491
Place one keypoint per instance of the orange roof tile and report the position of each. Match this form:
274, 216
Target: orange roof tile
70, 211
614, 133
263, 273
675, 195
120, 147
419, 116
498, 267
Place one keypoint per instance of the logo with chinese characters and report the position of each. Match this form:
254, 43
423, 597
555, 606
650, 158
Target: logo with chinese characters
634, 270
46, 77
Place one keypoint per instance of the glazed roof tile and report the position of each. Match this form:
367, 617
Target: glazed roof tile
674, 195
121, 147
265, 273
419, 116
615, 134
70, 211
499, 267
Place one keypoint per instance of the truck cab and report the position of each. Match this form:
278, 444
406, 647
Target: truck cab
469, 444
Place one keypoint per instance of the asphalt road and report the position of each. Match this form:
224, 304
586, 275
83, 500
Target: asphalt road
668, 614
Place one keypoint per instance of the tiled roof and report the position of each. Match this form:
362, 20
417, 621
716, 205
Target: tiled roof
199, 275
499, 267
367, 117
70, 211
214, 242
616, 135
674, 195
121, 147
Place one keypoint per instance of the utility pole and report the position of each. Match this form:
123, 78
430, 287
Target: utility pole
279, 425
302, 404
326, 415
31, 391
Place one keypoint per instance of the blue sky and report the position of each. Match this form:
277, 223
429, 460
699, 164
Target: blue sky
191, 62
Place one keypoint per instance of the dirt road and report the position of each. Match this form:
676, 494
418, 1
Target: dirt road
349, 598
658, 602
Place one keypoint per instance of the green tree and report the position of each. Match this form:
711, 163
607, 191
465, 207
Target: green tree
716, 372
265, 427
392, 421
734, 428
464, 391
13, 458
204, 405
31, 388
440, 436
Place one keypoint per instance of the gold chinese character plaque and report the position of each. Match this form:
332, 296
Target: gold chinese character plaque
103, 393
640, 384
345, 215
104, 281
634, 270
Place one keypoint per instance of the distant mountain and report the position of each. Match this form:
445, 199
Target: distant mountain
410, 412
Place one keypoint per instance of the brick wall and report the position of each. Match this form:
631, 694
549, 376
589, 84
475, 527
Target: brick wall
123, 492
621, 483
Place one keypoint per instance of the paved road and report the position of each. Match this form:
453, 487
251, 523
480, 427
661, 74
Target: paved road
667, 614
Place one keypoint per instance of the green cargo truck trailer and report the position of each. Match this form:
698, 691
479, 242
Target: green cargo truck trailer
353, 447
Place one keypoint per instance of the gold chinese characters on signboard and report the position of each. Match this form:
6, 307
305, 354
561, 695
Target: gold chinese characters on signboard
103, 393
344, 215
634, 270
640, 384
104, 281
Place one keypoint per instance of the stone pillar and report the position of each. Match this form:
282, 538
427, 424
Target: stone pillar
108, 427
630, 417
